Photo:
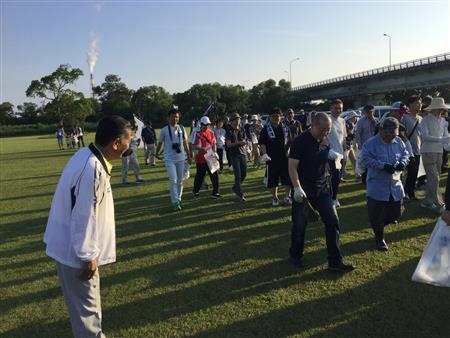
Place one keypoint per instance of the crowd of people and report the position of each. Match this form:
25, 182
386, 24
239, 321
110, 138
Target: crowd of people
307, 155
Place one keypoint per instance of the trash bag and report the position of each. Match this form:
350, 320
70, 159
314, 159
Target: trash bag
434, 265
186, 172
212, 159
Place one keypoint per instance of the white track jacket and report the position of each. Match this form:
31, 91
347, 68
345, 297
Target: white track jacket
81, 224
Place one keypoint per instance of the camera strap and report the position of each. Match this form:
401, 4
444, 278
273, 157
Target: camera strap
179, 136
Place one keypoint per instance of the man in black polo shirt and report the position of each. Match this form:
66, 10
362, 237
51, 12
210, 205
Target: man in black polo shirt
309, 171
273, 142
235, 142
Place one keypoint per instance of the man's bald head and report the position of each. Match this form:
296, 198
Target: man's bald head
320, 118
320, 126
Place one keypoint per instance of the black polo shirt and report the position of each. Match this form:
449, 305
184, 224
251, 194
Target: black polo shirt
275, 147
235, 135
313, 163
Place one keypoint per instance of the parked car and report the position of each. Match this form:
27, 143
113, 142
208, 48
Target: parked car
380, 111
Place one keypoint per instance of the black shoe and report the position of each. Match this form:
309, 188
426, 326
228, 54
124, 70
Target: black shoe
341, 267
196, 194
216, 195
381, 245
297, 262
242, 198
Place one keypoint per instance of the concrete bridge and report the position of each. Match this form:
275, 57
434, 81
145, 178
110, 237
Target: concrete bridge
371, 85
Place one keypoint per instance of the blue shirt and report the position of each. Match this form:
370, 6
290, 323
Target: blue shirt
375, 154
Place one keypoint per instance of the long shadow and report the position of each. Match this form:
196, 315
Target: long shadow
14, 198
358, 312
30, 178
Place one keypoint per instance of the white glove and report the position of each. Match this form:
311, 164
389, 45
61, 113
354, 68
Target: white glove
265, 158
299, 194
333, 155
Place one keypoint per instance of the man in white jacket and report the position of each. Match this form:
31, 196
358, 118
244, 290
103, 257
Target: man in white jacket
337, 137
80, 233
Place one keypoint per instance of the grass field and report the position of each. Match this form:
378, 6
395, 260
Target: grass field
215, 269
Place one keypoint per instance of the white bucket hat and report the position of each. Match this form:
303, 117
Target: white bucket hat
437, 103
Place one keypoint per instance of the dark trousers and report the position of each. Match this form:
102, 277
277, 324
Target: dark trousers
382, 213
239, 164
335, 178
227, 154
80, 141
411, 176
220, 153
324, 205
202, 169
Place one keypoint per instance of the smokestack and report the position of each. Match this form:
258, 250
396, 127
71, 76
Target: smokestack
91, 76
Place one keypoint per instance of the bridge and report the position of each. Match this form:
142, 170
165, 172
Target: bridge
371, 85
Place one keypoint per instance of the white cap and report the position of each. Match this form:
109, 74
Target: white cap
254, 117
205, 120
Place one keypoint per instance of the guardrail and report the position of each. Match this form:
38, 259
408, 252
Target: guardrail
399, 66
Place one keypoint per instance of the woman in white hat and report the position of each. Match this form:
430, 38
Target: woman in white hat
435, 138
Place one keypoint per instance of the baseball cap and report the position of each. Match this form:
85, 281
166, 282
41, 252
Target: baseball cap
368, 108
205, 120
254, 117
235, 116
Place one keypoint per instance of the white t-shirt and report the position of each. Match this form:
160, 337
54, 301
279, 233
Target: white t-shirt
178, 136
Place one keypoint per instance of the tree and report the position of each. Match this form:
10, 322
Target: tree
53, 88
267, 94
29, 112
152, 103
74, 105
225, 99
115, 97
6, 112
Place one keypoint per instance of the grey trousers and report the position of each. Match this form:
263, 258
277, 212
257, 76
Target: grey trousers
83, 302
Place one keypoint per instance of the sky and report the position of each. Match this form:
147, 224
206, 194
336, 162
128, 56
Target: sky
175, 44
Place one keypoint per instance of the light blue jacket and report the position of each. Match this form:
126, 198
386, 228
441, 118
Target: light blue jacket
375, 154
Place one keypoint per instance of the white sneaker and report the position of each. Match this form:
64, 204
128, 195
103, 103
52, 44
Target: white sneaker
336, 203
287, 200
265, 180
275, 202
230, 168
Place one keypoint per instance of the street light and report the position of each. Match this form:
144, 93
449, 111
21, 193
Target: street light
390, 63
290, 70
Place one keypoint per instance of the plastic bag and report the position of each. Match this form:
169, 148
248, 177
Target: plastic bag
212, 160
434, 265
186, 172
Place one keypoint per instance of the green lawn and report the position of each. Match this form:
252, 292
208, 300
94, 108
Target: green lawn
215, 269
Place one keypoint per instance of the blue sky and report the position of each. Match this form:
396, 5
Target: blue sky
179, 43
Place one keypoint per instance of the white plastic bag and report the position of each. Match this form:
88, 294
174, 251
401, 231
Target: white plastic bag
186, 172
212, 160
434, 265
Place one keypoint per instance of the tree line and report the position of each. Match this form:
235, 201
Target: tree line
63, 105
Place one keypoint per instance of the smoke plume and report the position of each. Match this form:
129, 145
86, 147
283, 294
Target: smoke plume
92, 54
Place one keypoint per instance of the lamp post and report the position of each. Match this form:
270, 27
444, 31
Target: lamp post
290, 69
390, 59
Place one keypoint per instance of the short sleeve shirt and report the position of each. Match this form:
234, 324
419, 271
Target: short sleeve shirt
203, 139
235, 135
178, 136
313, 163
275, 147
